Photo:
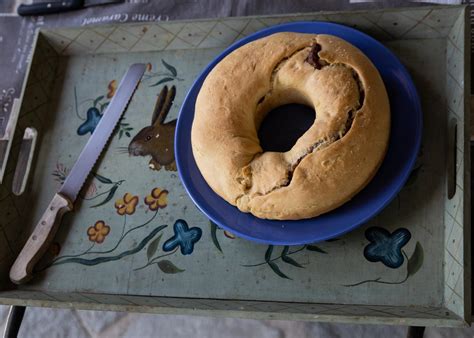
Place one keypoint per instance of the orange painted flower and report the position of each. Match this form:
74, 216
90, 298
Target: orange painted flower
148, 67
158, 199
127, 204
98, 232
111, 88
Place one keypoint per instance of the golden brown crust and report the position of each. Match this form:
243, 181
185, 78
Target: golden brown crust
336, 157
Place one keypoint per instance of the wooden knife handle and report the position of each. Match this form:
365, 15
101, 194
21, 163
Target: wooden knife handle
40, 239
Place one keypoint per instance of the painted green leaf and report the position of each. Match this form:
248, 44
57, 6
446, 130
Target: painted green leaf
291, 261
214, 236
102, 179
97, 100
169, 67
108, 198
127, 133
150, 251
277, 270
416, 260
315, 248
268, 253
285, 258
120, 134
164, 80
124, 124
413, 176
168, 267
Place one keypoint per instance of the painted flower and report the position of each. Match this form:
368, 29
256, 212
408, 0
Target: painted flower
386, 247
127, 204
98, 232
148, 67
184, 237
88, 126
111, 88
158, 199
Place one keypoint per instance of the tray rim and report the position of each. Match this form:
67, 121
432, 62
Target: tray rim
456, 321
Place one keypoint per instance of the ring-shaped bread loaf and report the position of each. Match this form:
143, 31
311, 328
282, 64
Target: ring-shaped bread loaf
332, 161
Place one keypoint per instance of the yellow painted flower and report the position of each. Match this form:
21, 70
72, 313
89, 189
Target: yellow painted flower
111, 88
98, 232
127, 204
158, 199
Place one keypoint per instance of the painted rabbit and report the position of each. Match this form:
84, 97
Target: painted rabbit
157, 140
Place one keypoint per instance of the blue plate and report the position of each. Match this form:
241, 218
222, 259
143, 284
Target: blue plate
403, 148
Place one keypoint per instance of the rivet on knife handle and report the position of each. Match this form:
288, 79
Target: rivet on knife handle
40, 239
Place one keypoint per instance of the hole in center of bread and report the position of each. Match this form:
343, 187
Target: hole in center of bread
284, 125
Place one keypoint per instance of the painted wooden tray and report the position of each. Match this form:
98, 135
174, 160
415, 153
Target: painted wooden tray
124, 249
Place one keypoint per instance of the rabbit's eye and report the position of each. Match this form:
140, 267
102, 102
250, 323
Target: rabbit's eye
148, 138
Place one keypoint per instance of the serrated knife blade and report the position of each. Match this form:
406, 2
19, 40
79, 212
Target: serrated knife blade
91, 152
44, 232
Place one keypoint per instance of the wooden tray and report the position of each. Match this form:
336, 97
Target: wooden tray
119, 250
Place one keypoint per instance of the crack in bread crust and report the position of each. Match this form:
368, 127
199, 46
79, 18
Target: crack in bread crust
318, 63
274, 71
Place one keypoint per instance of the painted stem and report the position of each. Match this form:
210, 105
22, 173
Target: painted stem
125, 235
77, 255
100, 260
102, 193
274, 259
119, 241
377, 280
153, 261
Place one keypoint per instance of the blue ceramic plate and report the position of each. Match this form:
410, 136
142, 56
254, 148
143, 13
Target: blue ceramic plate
404, 144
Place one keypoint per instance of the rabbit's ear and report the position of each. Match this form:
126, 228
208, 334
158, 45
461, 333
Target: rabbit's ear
168, 102
159, 104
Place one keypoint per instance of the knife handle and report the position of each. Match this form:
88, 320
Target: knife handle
40, 239
49, 7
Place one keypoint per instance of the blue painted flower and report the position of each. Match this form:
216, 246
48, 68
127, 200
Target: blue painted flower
386, 247
184, 237
93, 118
